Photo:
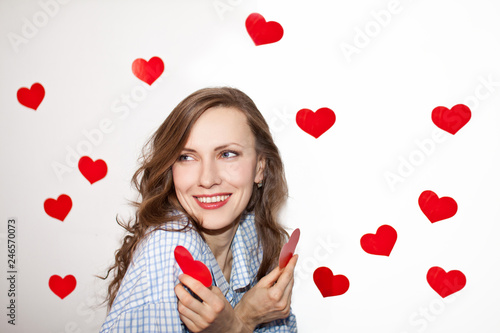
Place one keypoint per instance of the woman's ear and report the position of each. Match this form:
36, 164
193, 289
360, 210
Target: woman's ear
259, 172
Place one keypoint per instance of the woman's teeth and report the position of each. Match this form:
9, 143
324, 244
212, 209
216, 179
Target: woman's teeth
217, 198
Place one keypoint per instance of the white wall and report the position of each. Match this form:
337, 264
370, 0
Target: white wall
417, 55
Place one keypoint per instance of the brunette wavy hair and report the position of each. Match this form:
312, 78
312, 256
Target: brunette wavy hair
158, 202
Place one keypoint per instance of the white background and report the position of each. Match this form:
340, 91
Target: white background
422, 55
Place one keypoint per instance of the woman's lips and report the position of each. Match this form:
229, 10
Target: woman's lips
212, 201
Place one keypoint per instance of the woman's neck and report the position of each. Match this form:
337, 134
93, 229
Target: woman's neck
220, 242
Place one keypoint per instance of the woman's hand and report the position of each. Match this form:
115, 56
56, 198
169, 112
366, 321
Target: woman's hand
215, 314
269, 299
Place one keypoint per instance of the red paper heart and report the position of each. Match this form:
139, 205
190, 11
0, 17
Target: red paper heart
59, 208
289, 248
263, 32
62, 287
315, 123
435, 208
329, 284
31, 98
444, 283
451, 120
380, 243
91, 170
148, 71
191, 267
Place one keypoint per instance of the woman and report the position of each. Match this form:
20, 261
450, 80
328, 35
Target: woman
211, 180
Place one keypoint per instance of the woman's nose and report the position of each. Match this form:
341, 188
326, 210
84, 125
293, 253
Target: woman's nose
209, 174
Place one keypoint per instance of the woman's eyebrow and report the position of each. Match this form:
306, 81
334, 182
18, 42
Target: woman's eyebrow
190, 150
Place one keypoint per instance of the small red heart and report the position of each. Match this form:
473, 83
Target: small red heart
289, 248
62, 287
444, 283
329, 284
435, 208
31, 98
263, 32
451, 120
91, 170
59, 208
315, 123
148, 71
380, 243
191, 267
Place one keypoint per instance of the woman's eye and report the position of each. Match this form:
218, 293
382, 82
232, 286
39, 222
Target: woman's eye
229, 154
185, 158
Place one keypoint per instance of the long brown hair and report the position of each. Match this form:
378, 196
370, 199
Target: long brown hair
158, 200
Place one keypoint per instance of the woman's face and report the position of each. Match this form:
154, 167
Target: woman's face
217, 168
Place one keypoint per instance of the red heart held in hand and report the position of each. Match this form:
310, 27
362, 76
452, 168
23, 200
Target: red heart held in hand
62, 287
263, 32
148, 71
31, 98
451, 120
289, 248
315, 123
435, 208
444, 283
191, 267
91, 170
59, 208
329, 284
380, 243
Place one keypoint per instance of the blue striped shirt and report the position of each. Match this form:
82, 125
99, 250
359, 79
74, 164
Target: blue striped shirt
146, 301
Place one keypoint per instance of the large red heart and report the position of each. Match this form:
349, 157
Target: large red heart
329, 284
263, 32
191, 267
451, 120
444, 283
31, 98
91, 170
62, 287
380, 243
148, 71
435, 208
59, 208
289, 248
315, 123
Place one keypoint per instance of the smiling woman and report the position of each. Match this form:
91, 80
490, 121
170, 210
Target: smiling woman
211, 180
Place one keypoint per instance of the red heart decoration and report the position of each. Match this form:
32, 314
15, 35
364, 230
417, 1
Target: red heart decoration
329, 284
62, 287
263, 32
451, 120
59, 208
289, 248
444, 283
31, 98
91, 170
380, 243
435, 208
191, 267
315, 123
148, 71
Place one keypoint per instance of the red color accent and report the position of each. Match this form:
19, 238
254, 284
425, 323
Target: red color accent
451, 120
31, 98
62, 287
191, 267
148, 71
263, 32
91, 170
59, 208
289, 248
444, 283
315, 123
380, 243
329, 284
435, 208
